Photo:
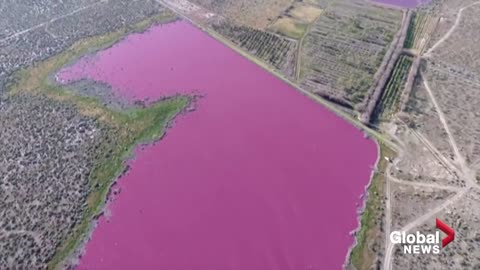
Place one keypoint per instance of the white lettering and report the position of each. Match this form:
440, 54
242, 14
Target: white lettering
395, 237
426, 249
411, 239
420, 238
417, 243
431, 239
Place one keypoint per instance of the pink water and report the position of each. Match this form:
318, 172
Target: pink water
403, 3
259, 177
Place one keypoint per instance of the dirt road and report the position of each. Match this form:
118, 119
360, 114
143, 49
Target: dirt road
451, 30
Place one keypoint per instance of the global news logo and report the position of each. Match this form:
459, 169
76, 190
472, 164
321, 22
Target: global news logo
419, 243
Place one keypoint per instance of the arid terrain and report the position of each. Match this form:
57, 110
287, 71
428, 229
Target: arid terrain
47, 153
409, 78
440, 119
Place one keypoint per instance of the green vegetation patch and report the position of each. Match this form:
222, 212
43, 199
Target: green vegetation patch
363, 254
289, 27
388, 104
305, 13
355, 85
124, 129
411, 31
417, 29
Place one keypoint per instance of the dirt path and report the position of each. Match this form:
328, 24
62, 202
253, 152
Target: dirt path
444, 161
388, 206
451, 30
467, 173
299, 51
423, 185
299, 56
387, 264
464, 171
443, 120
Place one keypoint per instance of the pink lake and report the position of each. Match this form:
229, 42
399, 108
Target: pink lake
403, 3
258, 177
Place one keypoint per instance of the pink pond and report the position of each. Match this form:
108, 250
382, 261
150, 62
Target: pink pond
258, 177
403, 3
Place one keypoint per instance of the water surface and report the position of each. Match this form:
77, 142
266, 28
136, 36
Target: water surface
403, 3
257, 177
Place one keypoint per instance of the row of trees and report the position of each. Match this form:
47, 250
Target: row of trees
383, 74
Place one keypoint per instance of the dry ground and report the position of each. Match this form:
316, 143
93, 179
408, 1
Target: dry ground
410, 202
462, 253
46, 157
257, 14
439, 132
332, 48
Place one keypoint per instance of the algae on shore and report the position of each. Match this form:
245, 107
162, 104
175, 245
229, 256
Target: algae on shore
370, 231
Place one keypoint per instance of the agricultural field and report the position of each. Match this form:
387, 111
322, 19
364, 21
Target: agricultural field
258, 14
389, 102
303, 12
289, 27
344, 49
294, 22
275, 50
420, 29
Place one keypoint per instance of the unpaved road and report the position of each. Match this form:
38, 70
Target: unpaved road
464, 171
44, 24
467, 173
387, 265
423, 185
451, 30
